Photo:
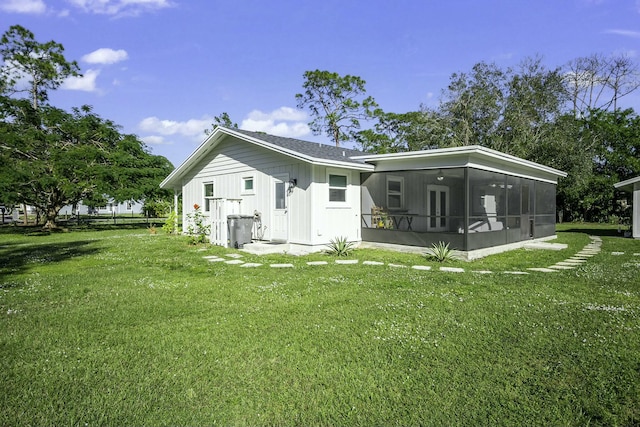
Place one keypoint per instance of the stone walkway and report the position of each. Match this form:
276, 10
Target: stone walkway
590, 250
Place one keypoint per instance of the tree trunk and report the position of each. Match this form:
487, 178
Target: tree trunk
50, 216
25, 220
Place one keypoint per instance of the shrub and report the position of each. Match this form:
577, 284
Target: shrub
441, 252
170, 226
340, 247
198, 229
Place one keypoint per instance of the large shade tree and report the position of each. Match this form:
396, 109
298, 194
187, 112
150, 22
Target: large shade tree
50, 158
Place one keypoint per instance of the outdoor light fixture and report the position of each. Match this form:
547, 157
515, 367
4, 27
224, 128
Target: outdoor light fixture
293, 182
440, 176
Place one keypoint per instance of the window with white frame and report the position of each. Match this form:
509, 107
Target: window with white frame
395, 192
208, 196
337, 188
247, 185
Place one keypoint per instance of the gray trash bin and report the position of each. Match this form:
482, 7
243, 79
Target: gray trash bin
239, 229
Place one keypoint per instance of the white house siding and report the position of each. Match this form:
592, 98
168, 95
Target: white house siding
109, 209
230, 161
330, 219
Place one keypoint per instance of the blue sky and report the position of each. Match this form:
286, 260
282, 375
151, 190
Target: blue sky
162, 69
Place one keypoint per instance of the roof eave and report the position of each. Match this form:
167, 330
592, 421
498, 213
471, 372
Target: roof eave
628, 184
172, 180
470, 150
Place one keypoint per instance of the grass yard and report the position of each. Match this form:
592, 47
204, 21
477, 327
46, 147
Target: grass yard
121, 327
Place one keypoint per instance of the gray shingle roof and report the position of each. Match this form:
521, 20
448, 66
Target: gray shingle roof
307, 148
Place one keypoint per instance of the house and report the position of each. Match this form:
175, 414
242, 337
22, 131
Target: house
633, 186
307, 194
111, 208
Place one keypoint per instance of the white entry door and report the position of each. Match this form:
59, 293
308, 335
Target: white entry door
280, 215
437, 207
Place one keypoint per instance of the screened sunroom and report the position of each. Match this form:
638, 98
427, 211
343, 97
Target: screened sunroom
470, 197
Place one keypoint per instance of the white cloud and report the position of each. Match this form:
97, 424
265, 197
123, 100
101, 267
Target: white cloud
625, 33
120, 7
105, 56
23, 6
155, 140
86, 82
191, 127
285, 121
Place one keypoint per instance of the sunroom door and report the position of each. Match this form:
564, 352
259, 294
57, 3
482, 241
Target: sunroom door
437, 207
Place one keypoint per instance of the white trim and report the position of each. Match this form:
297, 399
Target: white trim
628, 183
243, 180
212, 140
206, 198
399, 179
338, 203
476, 156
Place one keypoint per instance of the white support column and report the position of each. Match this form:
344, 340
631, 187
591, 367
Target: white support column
175, 209
635, 220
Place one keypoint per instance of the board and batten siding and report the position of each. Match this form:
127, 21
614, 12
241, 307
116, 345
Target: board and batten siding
332, 220
312, 218
231, 161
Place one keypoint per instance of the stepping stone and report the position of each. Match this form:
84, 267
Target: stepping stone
317, 263
202, 250
636, 254
617, 253
543, 270
397, 266
515, 272
250, 265
215, 259
569, 263
282, 265
234, 261
234, 256
583, 255
452, 269
562, 267
482, 271
577, 259
346, 261
372, 263
421, 267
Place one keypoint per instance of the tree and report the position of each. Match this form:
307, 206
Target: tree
221, 120
411, 131
474, 104
42, 64
337, 104
597, 82
534, 100
50, 158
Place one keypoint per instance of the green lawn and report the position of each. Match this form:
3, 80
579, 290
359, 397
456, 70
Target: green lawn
121, 327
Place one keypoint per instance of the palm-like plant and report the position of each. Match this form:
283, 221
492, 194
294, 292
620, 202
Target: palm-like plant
340, 247
441, 252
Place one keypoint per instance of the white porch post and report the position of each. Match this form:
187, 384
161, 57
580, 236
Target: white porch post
175, 209
635, 216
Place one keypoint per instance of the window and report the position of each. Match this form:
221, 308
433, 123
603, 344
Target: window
395, 192
337, 188
247, 185
208, 196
